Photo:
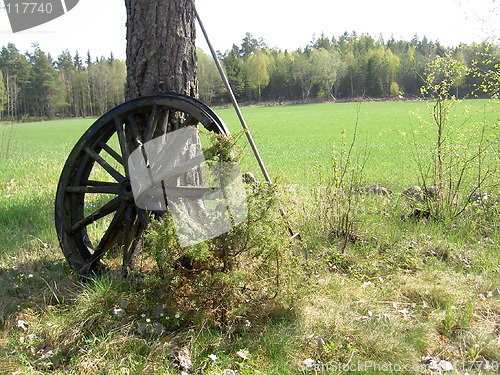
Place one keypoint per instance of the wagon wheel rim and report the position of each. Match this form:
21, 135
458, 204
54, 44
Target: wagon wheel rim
95, 209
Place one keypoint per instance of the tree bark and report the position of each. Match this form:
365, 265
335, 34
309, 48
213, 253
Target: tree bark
161, 51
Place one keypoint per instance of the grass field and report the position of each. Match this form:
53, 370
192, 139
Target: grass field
384, 290
298, 141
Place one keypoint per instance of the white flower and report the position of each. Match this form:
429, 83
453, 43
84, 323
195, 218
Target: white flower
213, 357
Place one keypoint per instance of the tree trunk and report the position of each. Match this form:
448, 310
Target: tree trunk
161, 51
161, 58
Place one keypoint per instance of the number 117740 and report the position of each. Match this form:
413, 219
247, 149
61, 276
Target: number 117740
34, 7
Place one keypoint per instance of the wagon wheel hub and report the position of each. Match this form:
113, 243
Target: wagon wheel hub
125, 192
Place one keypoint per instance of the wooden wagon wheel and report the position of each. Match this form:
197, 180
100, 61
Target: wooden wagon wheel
95, 209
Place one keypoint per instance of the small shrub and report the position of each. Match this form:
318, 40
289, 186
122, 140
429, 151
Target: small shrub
233, 277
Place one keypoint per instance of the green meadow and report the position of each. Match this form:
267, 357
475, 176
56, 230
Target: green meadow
297, 142
379, 286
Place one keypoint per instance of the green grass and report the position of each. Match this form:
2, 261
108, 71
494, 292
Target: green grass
29, 176
397, 291
297, 141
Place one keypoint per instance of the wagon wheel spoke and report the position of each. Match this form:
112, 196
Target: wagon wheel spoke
190, 121
107, 240
123, 142
165, 121
103, 163
134, 130
128, 237
111, 152
154, 118
104, 189
143, 217
97, 183
104, 211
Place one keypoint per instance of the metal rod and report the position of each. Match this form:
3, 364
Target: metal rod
233, 99
241, 117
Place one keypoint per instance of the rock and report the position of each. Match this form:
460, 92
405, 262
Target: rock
154, 328
415, 192
321, 343
431, 192
484, 199
157, 329
306, 364
48, 361
143, 330
144, 350
437, 365
419, 214
37, 343
33, 338
376, 189
228, 372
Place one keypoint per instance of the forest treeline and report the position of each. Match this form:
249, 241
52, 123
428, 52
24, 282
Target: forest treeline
347, 67
35, 85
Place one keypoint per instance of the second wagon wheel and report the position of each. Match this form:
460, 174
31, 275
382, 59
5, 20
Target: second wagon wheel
95, 209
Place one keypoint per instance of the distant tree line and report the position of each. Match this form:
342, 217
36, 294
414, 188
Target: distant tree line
351, 66
33, 84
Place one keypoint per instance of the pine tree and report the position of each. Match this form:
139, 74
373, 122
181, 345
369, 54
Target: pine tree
77, 62
235, 71
46, 90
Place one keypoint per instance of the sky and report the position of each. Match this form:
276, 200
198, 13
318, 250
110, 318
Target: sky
98, 26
